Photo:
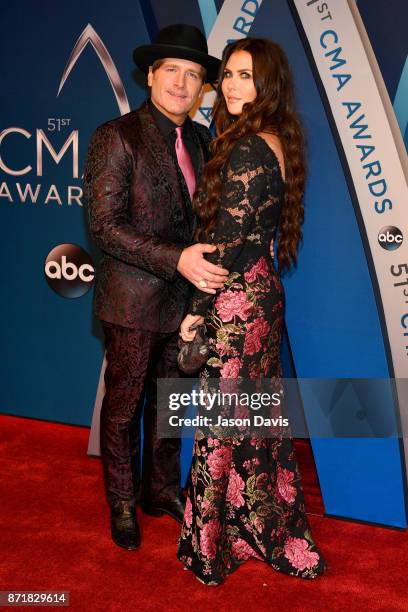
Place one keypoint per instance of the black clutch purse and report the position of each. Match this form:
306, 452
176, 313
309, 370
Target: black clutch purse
193, 355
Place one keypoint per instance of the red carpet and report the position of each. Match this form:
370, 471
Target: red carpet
54, 536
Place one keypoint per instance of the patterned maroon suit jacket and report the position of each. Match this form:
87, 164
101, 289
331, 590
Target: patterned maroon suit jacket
140, 216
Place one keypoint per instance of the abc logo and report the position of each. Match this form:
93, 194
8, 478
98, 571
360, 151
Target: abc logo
69, 270
390, 238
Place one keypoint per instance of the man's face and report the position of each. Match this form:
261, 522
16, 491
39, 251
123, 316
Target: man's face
175, 87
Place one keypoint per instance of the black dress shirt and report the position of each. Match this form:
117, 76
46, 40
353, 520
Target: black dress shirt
168, 129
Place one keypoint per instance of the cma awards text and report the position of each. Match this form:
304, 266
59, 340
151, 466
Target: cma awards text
39, 152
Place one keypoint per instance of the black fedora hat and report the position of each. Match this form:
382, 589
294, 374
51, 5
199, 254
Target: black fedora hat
182, 42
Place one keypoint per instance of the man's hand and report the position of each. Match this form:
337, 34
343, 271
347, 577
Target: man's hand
186, 333
201, 273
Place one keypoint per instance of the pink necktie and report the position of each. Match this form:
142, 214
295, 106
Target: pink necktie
184, 162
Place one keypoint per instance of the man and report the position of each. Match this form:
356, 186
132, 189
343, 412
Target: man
140, 175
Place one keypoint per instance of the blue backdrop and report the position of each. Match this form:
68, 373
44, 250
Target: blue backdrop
51, 346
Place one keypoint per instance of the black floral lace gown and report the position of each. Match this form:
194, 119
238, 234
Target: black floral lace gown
245, 498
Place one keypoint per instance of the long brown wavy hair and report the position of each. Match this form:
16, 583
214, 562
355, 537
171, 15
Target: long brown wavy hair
272, 111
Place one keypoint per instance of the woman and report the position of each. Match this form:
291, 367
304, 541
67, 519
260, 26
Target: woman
245, 498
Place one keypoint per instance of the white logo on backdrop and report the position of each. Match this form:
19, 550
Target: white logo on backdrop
89, 36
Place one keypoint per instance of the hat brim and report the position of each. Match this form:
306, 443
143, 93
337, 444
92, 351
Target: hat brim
146, 55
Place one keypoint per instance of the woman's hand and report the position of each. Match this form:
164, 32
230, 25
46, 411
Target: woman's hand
185, 326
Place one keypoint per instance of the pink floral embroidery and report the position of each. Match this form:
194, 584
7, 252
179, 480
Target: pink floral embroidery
188, 513
219, 462
241, 550
230, 303
299, 554
205, 507
285, 485
256, 331
210, 533
240, 507
258, 269
221, 348
235, 488
259, 524
231, 368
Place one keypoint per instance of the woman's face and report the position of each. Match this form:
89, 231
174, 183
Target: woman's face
237, 82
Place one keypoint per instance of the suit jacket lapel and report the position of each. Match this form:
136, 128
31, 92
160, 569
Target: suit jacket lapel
164, 161
167, 167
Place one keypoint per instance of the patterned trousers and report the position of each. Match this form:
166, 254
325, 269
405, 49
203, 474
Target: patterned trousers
135, 359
